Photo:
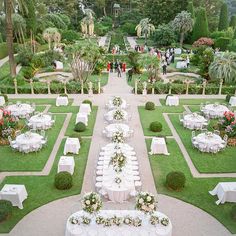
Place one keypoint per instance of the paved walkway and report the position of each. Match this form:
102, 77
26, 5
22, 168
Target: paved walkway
132, 42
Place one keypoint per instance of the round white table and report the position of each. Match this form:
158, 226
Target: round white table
215, 110
232, 101
40, 121
20, 110
109, 116
112, 128
194, 121
146, 229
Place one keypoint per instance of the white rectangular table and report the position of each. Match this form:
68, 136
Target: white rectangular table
2, 100
232, 101
85, 108
226, 192
82, 117
66, 163
62, 101
14, 193
158, 146
172, 101
72, 145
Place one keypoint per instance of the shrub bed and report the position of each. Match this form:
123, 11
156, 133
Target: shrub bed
155, 126
150, 106
63, 180
80, 127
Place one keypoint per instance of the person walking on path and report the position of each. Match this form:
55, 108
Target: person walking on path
130, 75
164, 67
108, 67
119, 70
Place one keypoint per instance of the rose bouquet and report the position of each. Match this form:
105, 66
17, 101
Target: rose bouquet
91, 202
146, 202
7, 123
228, 123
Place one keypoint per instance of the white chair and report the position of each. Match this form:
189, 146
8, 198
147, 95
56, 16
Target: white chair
138, 185
202, 147
214, 149
12, 143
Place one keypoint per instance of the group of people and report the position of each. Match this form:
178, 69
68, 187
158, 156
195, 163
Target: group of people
166, 58
139, 48
116, 66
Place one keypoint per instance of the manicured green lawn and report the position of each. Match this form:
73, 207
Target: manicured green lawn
41, 189
40, 101
103, 77
223, 161
149, 116
15, 161
91, 122
196, 189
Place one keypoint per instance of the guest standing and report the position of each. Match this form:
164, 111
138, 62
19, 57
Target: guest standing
164, 67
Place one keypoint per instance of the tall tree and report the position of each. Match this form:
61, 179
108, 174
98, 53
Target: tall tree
233, 21
200, 28
183, 23
190, 9
224, 18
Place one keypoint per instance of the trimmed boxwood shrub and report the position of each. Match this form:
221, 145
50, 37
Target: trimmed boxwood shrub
222, 43
233, 213
5, 209
88, 102
150, 106
175, 180
80, 127
155, 126
63, 180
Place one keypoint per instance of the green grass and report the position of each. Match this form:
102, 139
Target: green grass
91, 122
40, 101
196, 189
143, 77
103, 77
41, 189
149, 116
222, 162
15, 161
4, 70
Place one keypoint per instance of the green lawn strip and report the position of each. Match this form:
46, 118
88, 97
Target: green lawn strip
222, 162
15, 161
149, 116
196, 189
103, 77
39, 101
184, 101
64, 109
89, 129
41, 189
40, 108
4, 70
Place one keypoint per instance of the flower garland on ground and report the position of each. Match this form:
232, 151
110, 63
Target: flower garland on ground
117, 101
118, 161
118, 137
118, 115
146, 202
91, 202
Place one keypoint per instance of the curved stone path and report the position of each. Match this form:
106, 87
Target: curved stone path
50, 219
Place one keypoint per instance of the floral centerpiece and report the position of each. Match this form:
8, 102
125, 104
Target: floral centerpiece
209, 134
118, 137
118, 115
118, 161
146, 202
91, 202
228, 124
117, 101
118, 180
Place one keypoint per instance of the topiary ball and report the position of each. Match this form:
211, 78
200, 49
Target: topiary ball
88, 102
5, 209
155, 126
175, 180
150, 106
233, 213
80, 127
63, 180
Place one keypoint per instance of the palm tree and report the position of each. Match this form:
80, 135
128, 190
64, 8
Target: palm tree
145, 27
224, 67
8, 7
183, 23
51, 35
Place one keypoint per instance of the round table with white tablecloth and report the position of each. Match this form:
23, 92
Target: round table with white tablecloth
214, 110
194, 121
232, 101
146, 229
40, 121
112, 128
29, 142
20, 110
109, 116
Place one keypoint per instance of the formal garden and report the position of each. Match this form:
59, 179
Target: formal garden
111, 106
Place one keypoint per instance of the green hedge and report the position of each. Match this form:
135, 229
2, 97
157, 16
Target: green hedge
3, 50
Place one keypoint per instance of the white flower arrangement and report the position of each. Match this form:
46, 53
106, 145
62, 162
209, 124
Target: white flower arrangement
86, 220
74, 220
100, 220
145, 202
209, 134
118, 115
137, 222
128, 220
118, 180
117, 220
91, 202
165, 221
118, 137
118, 161
117, 101
154, 220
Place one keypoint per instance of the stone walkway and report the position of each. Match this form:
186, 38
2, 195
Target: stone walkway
50, 219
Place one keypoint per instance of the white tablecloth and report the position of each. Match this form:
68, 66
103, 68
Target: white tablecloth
178, 51
14, 193
85, 108
215, 111
209, 141
181, 64
172, 101
158, 146
109, 116
20, 110
194, 121
99, 230
72, 145
232, 101
62, 101
82, 117
112, 128
40, 121
111, 106
2, 100
66, 163
226, 192
29, 141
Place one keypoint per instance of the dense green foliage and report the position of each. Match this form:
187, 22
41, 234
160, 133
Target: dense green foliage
175, 180
155, 126
233, 21
80, 127
224, 16
63, 180
150, 106
233, 213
